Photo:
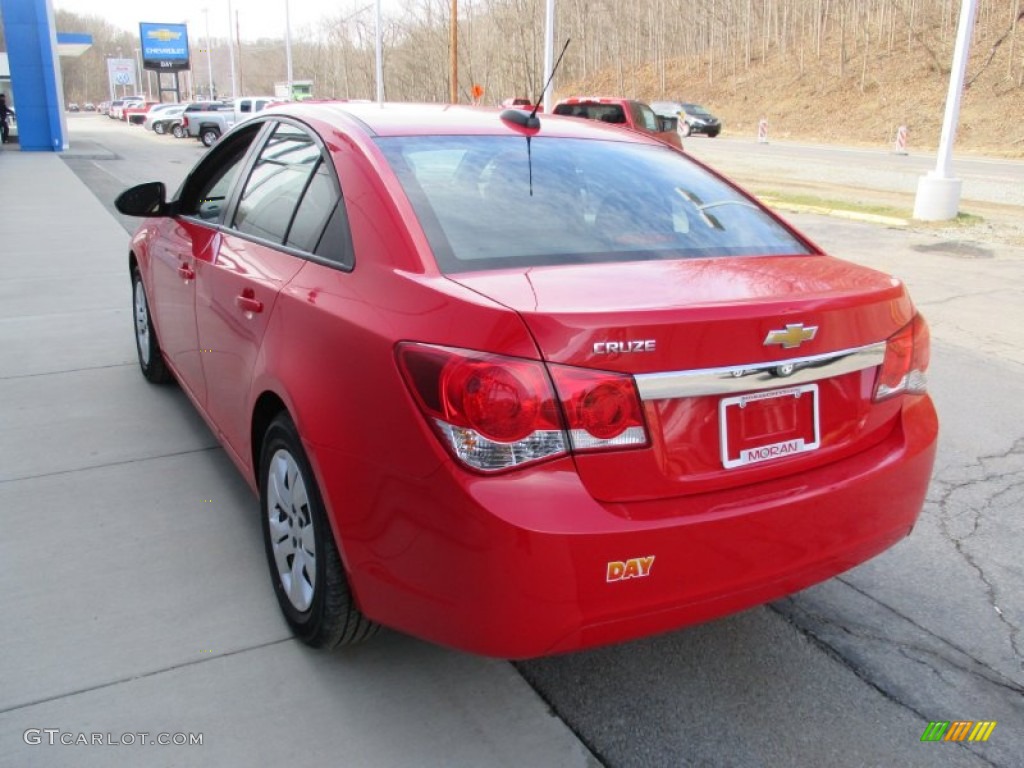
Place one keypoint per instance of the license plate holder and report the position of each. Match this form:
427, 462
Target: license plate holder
769, 425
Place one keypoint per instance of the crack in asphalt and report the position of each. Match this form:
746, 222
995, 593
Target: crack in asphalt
947, 515
862, 673
960, 296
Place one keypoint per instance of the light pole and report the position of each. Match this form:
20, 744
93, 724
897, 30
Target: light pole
209, 51
549, 50
938, 192
288, 46
380, 58
231, 55
453, 53
138, 71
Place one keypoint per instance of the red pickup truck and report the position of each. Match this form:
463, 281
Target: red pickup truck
625, 112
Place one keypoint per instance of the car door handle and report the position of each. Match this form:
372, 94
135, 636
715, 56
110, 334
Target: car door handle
185, 272
249, 303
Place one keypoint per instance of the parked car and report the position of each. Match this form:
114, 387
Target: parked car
135, 114
117, 106
522, 103
523, 390
692, 118
210, 125
89, 107
73, 107
164, 120
628, 113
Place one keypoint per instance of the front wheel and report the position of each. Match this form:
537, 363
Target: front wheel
178, 131
209, 136
151, 359
309, 579
159, 129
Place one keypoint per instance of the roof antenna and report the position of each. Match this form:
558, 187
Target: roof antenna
518, 116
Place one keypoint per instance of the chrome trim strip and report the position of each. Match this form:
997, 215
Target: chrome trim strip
757, 376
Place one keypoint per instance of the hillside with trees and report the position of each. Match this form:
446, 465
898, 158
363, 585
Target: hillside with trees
848, 71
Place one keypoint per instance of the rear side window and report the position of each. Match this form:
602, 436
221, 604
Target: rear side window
487, 202
277, 182
292, 198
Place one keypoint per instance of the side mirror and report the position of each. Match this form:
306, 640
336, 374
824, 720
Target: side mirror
143, 200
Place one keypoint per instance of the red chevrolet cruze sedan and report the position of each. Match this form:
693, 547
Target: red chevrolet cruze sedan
522, 389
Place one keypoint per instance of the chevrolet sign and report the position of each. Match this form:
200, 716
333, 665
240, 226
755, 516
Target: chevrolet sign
164, 47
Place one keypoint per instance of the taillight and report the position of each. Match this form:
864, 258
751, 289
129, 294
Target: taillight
907, 354
602, 409
495, 412
492, 412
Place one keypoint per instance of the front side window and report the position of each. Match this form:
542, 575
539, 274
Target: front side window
206, 191
487, 202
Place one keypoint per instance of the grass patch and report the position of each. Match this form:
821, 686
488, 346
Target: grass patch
783, 198
962, 221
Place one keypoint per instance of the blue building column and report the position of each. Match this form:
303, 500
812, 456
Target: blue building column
35, 74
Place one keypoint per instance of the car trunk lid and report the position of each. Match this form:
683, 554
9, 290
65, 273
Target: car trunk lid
733, 357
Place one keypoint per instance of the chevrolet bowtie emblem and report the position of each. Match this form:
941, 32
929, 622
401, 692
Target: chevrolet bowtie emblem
792, 337
163, 35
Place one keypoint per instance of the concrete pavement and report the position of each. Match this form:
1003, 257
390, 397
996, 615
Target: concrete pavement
133, 589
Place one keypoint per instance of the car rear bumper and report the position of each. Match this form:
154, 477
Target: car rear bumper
519, 565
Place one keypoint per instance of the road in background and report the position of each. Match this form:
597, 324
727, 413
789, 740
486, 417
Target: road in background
850, 672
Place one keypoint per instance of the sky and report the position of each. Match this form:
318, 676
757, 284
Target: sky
256, 18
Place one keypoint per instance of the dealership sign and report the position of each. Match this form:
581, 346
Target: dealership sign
121, 71
164, 46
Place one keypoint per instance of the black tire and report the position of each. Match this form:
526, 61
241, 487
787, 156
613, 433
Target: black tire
209, 136
684, 128
321, 611
151, 359
178, 131
712, 134
159, 128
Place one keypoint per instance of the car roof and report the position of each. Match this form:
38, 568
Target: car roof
404, 119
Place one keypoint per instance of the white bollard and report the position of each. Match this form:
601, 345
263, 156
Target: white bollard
901, 141
762, 131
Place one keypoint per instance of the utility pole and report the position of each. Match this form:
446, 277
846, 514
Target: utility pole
453, 49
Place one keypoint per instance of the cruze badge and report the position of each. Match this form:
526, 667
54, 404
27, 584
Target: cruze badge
793, 336
616, 347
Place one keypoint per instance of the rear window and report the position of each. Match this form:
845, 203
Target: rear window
488, 202
606, 113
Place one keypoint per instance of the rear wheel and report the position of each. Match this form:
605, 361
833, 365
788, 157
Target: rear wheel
209, 136
151, 359
309, 579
